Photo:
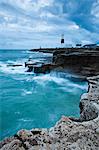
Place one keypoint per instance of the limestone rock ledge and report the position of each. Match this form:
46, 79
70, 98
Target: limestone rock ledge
68, 133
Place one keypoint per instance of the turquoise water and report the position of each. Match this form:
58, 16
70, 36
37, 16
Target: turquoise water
28, 100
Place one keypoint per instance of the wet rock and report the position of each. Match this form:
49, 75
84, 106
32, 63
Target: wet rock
14, 65
44, 68
36, 131
30, 68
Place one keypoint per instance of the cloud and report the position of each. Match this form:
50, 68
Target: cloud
95, 12
95, 9
31, 23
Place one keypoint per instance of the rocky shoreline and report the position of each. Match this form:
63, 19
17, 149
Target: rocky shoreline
83, 62
68, 133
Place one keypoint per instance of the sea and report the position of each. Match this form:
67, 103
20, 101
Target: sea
29, 100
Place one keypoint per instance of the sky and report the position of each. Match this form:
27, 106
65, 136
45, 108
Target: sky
34, 23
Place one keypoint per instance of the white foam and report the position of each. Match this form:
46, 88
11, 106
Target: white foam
10, 62
41, 79
25, 120
13, 70
26, 92
41, 54
9, 69
78, 86
62, 82
67, 80
48, 78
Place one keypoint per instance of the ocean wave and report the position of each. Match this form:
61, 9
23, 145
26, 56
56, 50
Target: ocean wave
41, 54
12, 70
6, 68
62, 82
49, 78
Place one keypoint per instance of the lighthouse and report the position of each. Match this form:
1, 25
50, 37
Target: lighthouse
62, 40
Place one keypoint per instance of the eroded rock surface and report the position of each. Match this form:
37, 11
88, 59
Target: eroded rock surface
84, 62
66, 134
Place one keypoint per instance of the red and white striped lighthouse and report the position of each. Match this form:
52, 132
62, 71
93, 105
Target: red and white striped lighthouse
62, 39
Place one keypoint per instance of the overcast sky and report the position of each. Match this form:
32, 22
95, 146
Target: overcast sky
35, 23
